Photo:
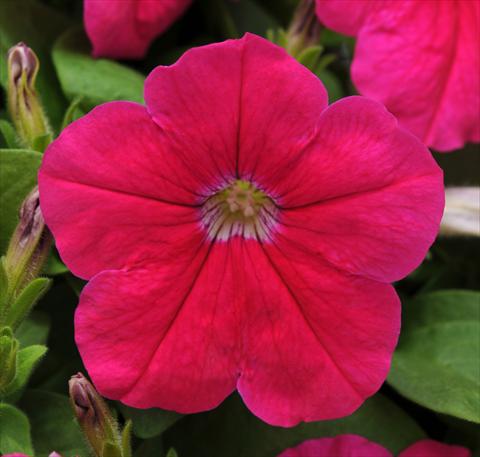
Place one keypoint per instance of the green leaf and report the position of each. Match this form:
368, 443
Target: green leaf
18, 175
36, 25
172, 453
332, 84
309, 57
111, 450
436, 363
54, 265
53, 424
249, 16
127, 440
95, 80
73, 112
148, 423
8, 134
27, 359
34, 329
232, 430
26, 300
14, 431
3, 285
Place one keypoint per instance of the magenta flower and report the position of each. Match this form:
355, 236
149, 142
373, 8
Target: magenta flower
240, 233
357, 446
420, 58
125, 28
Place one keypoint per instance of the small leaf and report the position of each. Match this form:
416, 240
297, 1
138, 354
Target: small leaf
18, 176
23, 304
127, 440
27, 359
73, 112
8, 134
3, 285
172, 453
310, 57
436, 362
14, 431
148, 423
111, 450
95, 80
41, 142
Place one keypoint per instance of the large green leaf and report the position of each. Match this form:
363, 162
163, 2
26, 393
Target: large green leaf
437, 361
34, 329
18, 176
231, 430
53, 424
14, 431
94, 80
38, 26
148, 423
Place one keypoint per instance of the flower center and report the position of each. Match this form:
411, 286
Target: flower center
240, 209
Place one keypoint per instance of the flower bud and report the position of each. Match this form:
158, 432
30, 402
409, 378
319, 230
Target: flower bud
29, 245
462, 212
8, 357
24, 104
304, 30
93, 415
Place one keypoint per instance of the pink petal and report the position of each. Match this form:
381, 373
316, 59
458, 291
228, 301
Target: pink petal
262, 106
340, 446
125, 28
104, 214
165, 336
346, 16
421, 60
430, 448
318, 342
367, 197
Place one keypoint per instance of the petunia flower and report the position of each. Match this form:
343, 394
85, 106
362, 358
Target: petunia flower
420, 58
237, 232
357, 446
125, 28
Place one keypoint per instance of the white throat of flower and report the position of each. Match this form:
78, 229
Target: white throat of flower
240, 209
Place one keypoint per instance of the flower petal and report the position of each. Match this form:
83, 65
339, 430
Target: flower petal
262, 107
103, 214
345, 16
319, 342
380, 213
430, 448
340, 446
421, 60
125, 28
164, 336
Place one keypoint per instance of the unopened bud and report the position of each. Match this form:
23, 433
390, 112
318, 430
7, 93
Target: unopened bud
8, 357
304, 30
29, 245
462, 212
24, 104
54, 454
93, 415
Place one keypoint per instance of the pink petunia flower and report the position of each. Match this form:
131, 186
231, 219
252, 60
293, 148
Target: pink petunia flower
357, 446
420, 58
240, 233
125, 28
